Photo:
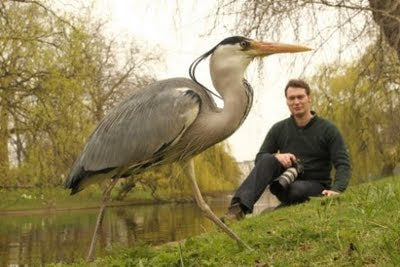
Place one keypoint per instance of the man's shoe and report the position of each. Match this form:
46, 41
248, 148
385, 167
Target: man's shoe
234, 213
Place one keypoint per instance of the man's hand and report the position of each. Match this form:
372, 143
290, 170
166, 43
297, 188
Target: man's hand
286, 159
329, 193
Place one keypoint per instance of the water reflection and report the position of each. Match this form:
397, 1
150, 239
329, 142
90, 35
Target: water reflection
37, 239
34, 240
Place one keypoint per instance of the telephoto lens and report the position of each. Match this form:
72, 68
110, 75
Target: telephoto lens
287, 177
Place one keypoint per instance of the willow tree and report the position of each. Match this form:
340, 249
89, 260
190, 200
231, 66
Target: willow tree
366, 107
217, 172
59, 75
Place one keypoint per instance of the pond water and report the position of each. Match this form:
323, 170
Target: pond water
37, 239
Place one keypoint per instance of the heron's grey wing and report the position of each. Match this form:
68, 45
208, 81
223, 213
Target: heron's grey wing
142, 125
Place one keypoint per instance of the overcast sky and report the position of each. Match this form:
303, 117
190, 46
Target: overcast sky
183, 35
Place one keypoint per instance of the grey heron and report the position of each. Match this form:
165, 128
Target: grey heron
173, 120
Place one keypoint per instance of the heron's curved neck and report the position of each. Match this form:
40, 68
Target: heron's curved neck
228, 80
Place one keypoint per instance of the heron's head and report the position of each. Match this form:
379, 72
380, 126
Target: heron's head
237, 52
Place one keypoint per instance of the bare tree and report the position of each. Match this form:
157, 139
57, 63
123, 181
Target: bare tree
317, 21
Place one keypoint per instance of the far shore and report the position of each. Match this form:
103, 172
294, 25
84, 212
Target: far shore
9, 211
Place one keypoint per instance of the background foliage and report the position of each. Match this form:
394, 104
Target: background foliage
363, 98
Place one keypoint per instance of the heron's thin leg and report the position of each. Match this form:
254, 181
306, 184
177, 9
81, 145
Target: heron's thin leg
189, 169
106, 197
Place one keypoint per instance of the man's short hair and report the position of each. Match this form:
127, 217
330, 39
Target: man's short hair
297, 83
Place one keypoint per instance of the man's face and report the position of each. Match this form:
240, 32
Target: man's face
298, 101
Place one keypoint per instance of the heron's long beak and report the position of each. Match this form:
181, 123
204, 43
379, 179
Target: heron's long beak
264, 48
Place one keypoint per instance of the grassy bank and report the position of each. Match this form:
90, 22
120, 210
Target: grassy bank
359, 228
58, 198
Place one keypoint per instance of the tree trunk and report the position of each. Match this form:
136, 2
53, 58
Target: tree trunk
386, 13
388, 169
4, 158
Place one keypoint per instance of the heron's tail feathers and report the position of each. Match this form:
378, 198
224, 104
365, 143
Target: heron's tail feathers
74, 179
79, 178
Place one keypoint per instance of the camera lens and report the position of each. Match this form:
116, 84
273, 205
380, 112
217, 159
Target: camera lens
283, 181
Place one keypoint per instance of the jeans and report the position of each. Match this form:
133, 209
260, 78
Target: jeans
266, 169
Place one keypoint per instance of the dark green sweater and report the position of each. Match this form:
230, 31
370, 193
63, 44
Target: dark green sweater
318, 145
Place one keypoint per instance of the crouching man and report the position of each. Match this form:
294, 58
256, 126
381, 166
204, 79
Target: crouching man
304, 142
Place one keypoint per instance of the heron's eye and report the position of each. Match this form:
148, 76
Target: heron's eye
244, 44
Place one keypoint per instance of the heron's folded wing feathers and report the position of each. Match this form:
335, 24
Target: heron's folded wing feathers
145, 123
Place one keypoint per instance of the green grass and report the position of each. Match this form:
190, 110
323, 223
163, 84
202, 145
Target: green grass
359, 228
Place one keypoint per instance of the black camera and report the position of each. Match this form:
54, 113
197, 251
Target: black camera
287, 177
